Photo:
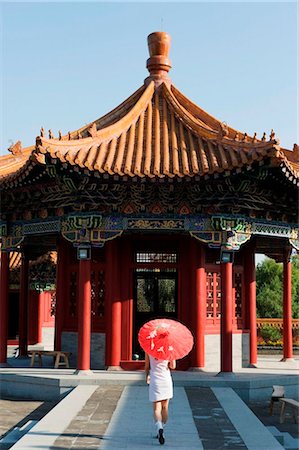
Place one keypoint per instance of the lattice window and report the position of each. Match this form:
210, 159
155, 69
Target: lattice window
53, 304
153, 257
238, 295
98, 293
210, 298
73, 294
213, 295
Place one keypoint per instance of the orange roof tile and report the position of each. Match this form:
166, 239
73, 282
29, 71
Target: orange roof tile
156, 132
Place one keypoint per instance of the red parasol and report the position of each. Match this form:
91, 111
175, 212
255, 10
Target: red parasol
165, 339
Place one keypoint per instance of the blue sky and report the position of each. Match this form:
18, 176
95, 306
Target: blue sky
66, 64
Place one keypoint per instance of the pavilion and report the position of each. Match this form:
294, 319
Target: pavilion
155, 210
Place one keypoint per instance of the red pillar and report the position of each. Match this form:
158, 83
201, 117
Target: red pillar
4, 288
287, 308
23, 307
226, 317
126, 299
62, 262
40, 316
113, 330
84, 315
199, 311
250, 296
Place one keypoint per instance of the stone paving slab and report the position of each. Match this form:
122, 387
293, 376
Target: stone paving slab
16, 413
254, 434
131, 426
213, 425
89, 426
46, 431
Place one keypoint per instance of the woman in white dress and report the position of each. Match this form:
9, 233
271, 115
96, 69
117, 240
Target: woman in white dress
158, 376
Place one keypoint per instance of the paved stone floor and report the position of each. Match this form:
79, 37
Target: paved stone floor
213, 425
89, 426
87, 429
261, 410
16, 413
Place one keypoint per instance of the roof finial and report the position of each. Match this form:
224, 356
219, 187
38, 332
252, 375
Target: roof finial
158, 64
16, 149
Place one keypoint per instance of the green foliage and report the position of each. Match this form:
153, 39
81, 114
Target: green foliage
270, 334
269, 288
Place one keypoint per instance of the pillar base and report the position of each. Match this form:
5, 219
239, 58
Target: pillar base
111, 368
85, 373
252, 366
196, 369
229, 375
287, 360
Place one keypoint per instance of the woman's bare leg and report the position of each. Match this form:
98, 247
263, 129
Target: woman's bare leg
157, 410
164, 412
158, 417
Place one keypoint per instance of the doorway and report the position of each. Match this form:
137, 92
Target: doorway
155, 295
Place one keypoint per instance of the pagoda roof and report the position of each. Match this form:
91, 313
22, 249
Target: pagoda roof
156, 133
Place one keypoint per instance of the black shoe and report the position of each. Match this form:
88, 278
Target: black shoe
161, 437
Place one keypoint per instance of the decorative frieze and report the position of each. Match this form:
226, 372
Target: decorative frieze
225, 231
41, 227
155, 224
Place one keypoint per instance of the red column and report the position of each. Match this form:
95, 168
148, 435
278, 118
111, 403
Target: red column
127, 300
113, 330
287, 309
84, 315
23, 306
40, 316
62, 261
250, 296
4, 288
198, 360
226, 317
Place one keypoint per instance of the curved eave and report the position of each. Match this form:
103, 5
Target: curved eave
113, 116
288, 167
162, 134
11, 165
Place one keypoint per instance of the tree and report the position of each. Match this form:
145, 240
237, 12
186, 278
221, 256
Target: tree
269, 288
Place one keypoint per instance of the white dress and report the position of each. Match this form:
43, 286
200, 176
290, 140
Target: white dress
160, 387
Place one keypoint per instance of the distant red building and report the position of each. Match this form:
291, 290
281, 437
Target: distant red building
155, 209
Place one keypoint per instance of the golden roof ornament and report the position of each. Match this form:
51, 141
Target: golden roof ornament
223, 130
272, 135
254, 139
60, 135
92, 130
296, 152
51, 135
158, 64
16, 149
264, 137
42, 132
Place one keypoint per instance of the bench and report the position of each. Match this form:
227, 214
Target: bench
60, 358
278, 393
293, 404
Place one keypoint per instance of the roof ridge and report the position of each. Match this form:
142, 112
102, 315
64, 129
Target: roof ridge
116, 129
